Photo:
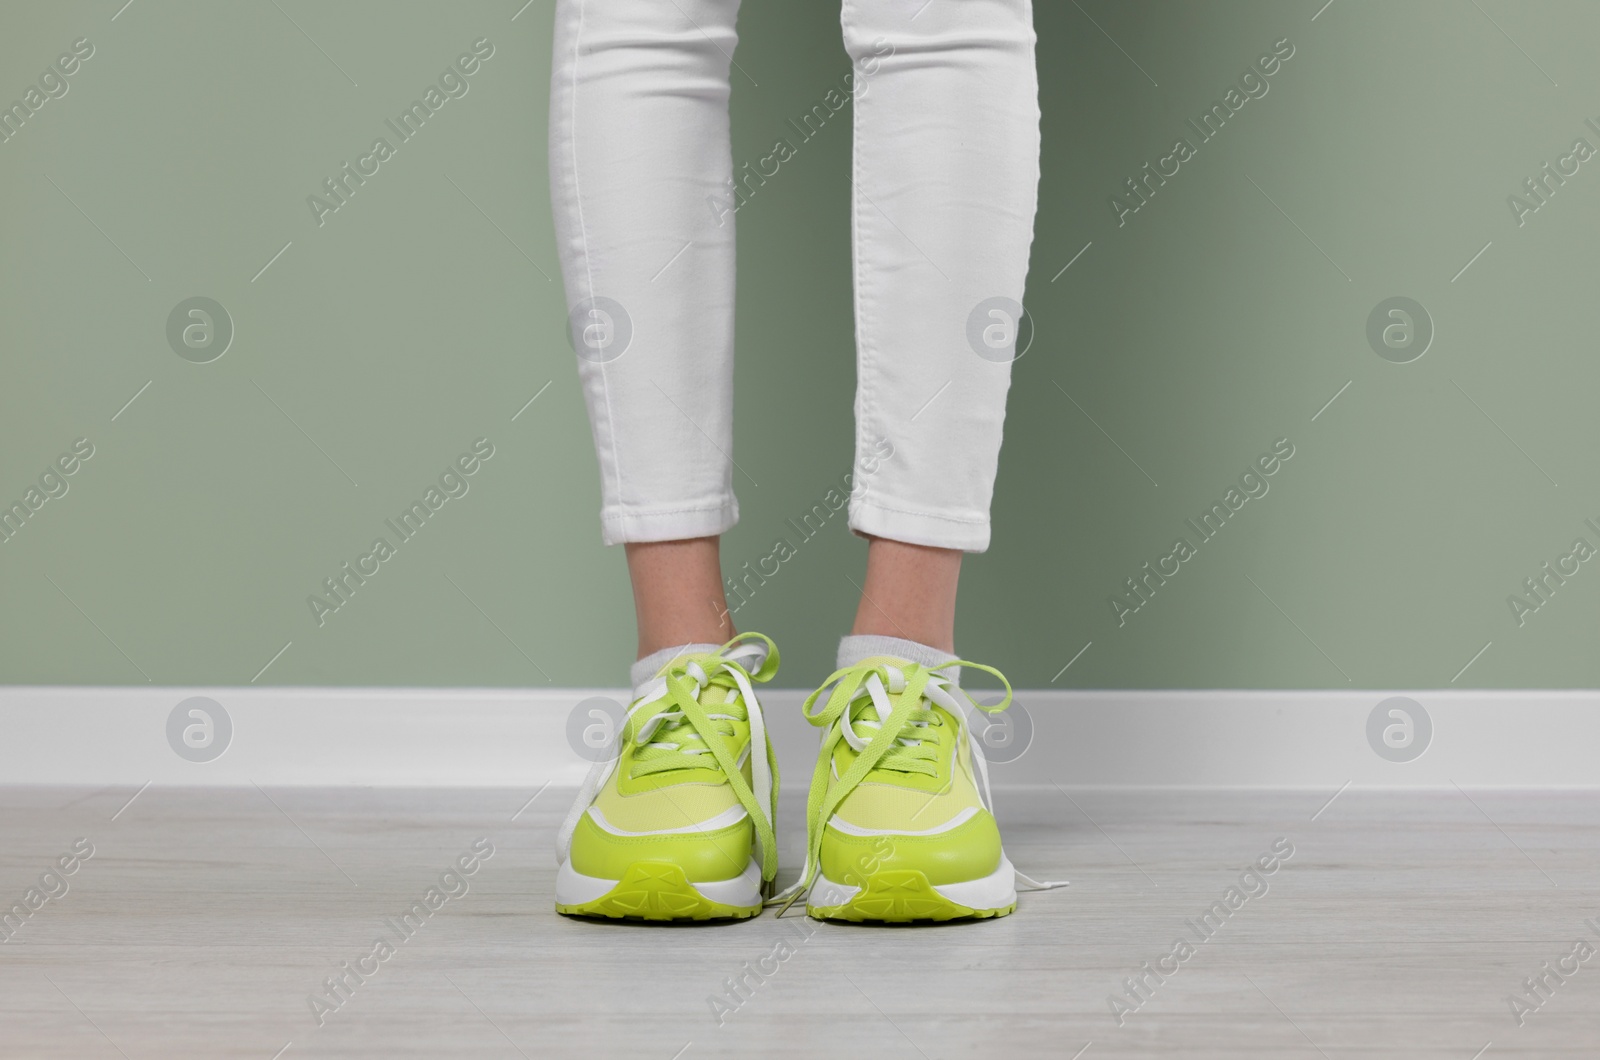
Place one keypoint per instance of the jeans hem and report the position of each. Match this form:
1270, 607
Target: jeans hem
620, 526
919, 528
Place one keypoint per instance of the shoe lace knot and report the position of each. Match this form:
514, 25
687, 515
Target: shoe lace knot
884, 712
667, 738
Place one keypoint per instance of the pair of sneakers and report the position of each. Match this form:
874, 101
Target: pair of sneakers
678, 823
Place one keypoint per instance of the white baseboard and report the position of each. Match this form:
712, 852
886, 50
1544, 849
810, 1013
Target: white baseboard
517, 738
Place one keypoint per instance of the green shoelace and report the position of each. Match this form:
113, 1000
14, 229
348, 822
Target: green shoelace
679, 719
904, 739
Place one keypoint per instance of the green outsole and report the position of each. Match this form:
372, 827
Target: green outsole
901, 896
656, 890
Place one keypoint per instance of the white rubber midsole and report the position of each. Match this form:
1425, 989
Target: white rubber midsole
574, 888
994, 891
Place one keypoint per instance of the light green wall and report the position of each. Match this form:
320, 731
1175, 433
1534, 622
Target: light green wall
1219, 318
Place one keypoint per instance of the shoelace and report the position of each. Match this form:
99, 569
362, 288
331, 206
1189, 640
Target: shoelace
901, 739
676, 735
668, 740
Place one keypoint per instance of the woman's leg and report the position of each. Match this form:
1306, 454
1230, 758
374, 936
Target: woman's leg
946, 163
910, 593
677, 594
640, 162
946, 173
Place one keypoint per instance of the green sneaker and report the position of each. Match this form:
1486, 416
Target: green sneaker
677, 825
898, 822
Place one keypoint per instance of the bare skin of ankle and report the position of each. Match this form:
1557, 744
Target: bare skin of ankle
910, 592
677, 593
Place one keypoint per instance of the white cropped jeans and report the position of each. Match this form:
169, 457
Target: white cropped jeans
945, 175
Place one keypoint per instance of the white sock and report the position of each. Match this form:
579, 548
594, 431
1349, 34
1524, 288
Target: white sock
856, 647
641, 672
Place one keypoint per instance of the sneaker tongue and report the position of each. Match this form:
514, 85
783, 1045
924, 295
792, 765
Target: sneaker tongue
882, 660
886, 660
714, 694
645, 671
867, 709
642, 683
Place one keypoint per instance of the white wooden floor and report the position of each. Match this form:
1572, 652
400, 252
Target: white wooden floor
206, 918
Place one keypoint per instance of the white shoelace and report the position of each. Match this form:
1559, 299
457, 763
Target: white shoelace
937, 690
747, 657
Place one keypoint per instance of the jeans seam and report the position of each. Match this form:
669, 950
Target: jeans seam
608, 429
865, 410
